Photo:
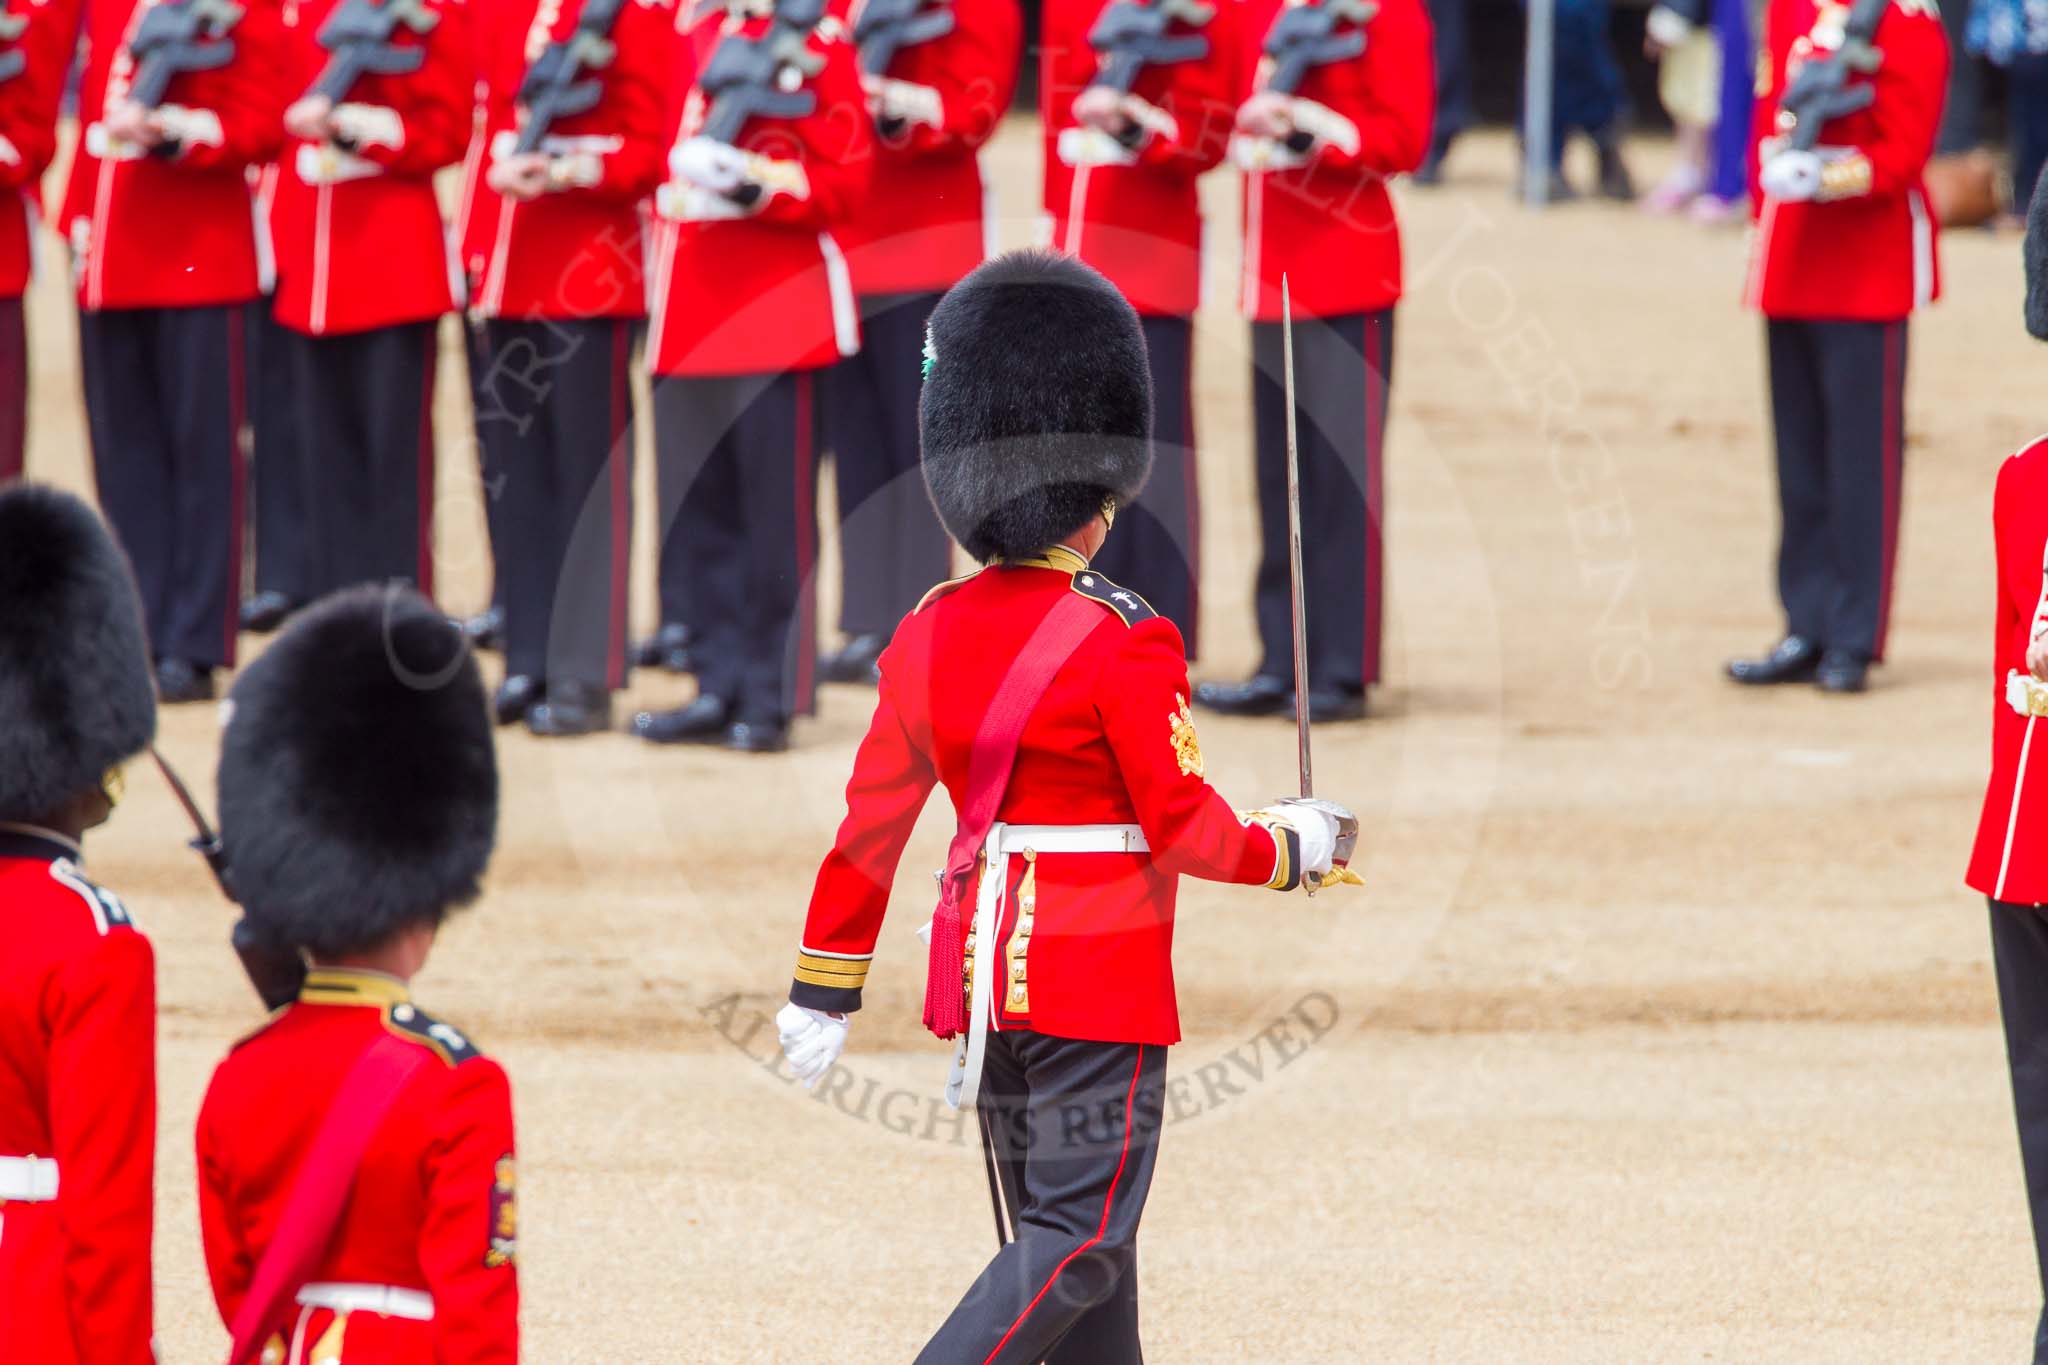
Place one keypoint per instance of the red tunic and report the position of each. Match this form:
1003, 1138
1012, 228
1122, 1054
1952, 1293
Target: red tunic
1141, 224
434, 1206
1112, 742
575, 253
78, 1032
1868, 253
178, 231
768, 291
2010, 862
360, 243
1329, 226
924, 221
28, 127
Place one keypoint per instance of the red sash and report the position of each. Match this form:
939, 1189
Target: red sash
320, 1191
1072, 619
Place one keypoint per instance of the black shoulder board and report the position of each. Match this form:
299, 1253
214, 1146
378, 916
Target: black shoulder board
105, 907
415, 1025
1125, 603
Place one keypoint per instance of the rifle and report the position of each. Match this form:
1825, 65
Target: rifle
179, 36
744, 77
13, 61
1821, 90
276, 970
555, 86
1131, 35
358, 36
886, 27
1305, 36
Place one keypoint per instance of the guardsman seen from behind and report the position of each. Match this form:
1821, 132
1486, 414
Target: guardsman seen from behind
1052, 705
358, 1195
382, 98
164, 247
771, 149
77, 980
1844, 252
574, 108
1338, 97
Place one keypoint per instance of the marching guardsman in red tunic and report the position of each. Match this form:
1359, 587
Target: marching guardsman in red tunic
77, 981
2010, 863
1338, 98
771, 151
37, 44
1844, 253
1052, 704
1138, 97
358, 1194
574, 110
164, 248
384, 94
939, 78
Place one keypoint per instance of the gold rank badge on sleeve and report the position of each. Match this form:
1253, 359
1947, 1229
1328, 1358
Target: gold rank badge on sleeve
1186, 747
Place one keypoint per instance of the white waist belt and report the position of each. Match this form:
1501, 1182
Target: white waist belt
27, 1180
1009, 840
389, 1300
2025, 694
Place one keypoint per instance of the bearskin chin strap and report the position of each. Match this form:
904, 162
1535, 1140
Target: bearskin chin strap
1072, 619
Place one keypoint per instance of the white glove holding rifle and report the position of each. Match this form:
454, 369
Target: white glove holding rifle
711, 165
811, 1039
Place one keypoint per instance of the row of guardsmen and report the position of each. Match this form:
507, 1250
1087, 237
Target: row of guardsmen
777, 192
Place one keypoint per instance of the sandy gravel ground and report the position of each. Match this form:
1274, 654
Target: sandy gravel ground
1665, 1031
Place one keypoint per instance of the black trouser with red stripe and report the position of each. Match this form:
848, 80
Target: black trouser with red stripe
1155, 549
1838, 401
737, 463
13, 388
368, 406
163, 396
1075, 1126
2019, 955
276, 462
890, 540
1343, 368
554, 418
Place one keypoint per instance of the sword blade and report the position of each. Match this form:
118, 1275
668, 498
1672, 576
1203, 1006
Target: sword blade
1294, 583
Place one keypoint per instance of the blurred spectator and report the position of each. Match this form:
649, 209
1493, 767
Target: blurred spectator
1705, 83
1450, 21
1586, 96
2011, 35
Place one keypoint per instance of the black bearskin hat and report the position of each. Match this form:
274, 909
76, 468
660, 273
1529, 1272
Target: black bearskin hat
76, 697
2035, 252
358, 782
1037, 404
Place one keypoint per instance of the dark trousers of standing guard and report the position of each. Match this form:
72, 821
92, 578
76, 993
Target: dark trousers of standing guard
1075, 1127
1838, 403
13, 388
737, 467
2019, 954
367, 400
1155, 549
277, 467
1343, 369
477, 362
554, 420
891, 545
163, 396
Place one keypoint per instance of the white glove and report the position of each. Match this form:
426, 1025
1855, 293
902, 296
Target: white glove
1317, 830
812, 1041
709, 164
1792, 176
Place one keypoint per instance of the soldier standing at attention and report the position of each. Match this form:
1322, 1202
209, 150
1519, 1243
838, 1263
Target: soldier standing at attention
1338, 98
77, 981
772, 149
164, 248
357, 1184
1126, 137
2009, 865
922, 225
553, 235
363, 269
1036, 431
42, 51
1844, 252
